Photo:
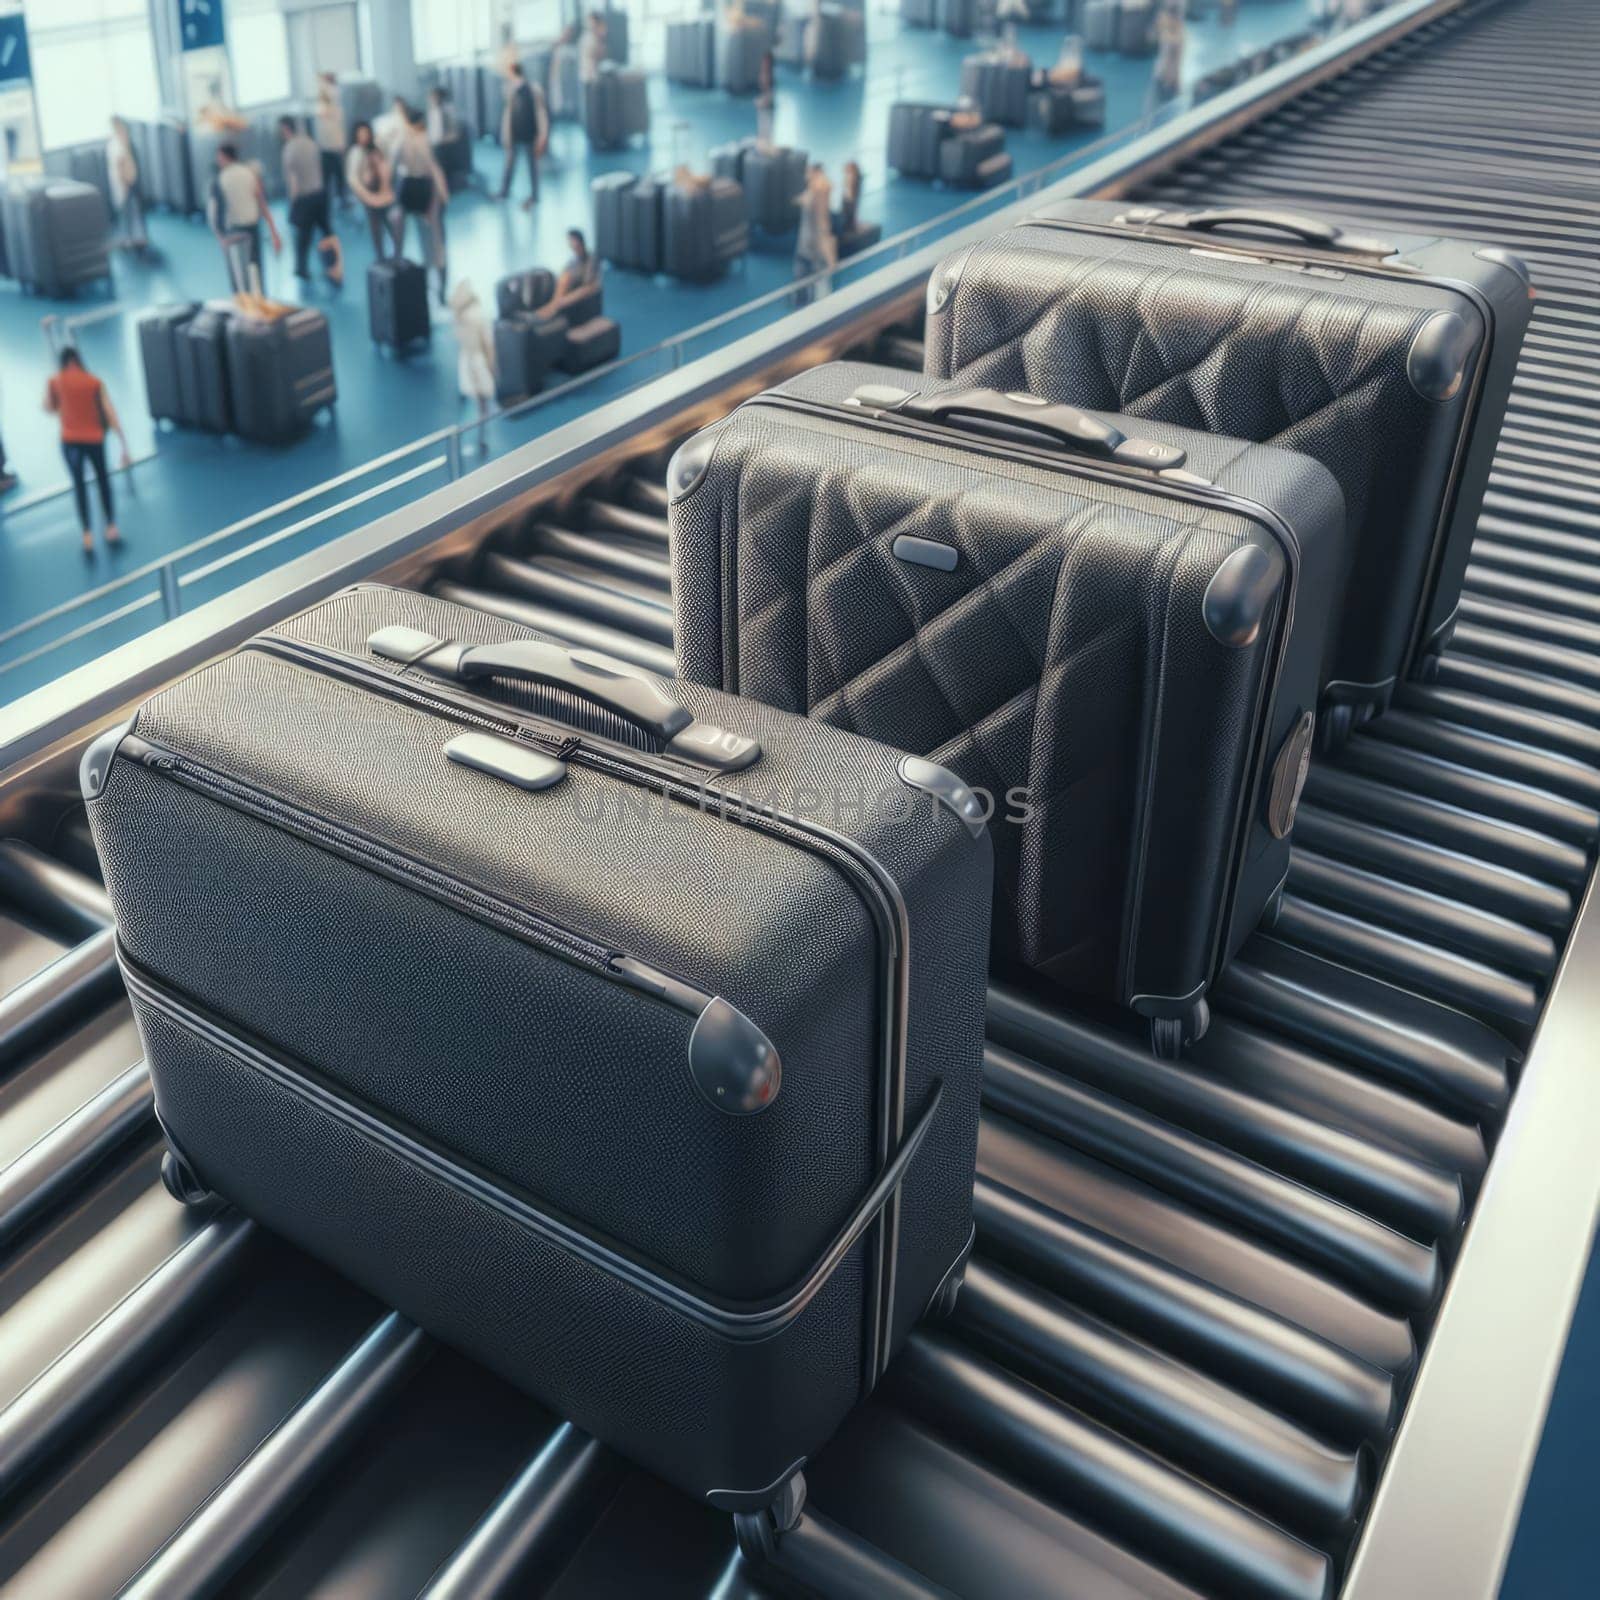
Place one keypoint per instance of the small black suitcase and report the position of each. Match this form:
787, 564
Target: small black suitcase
204, 392
397, 303
626, 1035
1115, 638
1390, 360
158, 346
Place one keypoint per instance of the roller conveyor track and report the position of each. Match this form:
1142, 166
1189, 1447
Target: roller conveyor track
1200, 1292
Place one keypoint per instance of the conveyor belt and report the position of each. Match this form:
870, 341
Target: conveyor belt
1201, 1289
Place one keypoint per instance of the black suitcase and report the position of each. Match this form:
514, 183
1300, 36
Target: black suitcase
204, 392
703, 228
280, 373
590, 343
641, 224
526, 346
523, 291
627, 1036
1116, 638
610, 193
158, 346
1390, 360
397, 303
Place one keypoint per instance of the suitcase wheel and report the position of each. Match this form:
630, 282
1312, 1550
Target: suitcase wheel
1169, 1035
180, 1181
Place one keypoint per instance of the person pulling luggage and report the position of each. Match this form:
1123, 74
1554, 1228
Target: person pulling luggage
127, 198
82, 403
308, 202
524, 131
237, 210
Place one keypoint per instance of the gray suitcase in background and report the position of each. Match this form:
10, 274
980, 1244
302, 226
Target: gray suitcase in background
998, 87
175, 168
280, 374
962, 155
360, 100
203, 388
773, 181
641, 224
739, 53
610, 193
1136, 28
616, 107
158, 348
853, 544
692, 52
916, 131
703, 228
1100, 24
58, 234
83, 163
527, 345
1387, 358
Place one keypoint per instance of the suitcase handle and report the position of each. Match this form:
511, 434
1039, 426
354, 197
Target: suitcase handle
1308, 230
593, 677
587, 674
1079, 431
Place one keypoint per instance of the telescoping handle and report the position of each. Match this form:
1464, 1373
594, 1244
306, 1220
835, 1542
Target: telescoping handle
1080, 432
593, 677
1314, 231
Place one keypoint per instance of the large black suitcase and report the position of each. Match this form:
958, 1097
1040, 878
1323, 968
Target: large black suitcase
397, 303
204, 393
58, 234
1116, 638
626, 1035
527, 344
158, 346
703, 228
280, 373
1389, 360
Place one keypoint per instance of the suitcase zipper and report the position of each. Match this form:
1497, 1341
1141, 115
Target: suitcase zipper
728, 1320
362, 850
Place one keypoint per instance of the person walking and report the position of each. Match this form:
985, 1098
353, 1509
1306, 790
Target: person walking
420, 192
331, 138
308, 202
84, 406
366, 172
475, 373
237, 210
524, 131
816, 249
127, 199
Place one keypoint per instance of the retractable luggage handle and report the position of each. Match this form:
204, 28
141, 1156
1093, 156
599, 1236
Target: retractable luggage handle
1315, 231
587, 674
1081, 432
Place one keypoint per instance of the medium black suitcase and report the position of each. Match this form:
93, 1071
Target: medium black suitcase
703, 228
526, 346
626, 1035
1389, 360
1116, 638
158, 346
280, 373
204, 392
397, 303
641, 224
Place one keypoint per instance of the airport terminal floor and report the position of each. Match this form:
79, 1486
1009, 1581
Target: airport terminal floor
1290, 1294
188, 484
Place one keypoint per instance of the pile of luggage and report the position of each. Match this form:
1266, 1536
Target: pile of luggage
532, 339
829, 38
1126, 26
616, 107
689, 226
56, 234
948, 144
247, 365
771, 177
627, 1033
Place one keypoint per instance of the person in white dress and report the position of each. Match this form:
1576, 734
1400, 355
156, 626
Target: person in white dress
475, 358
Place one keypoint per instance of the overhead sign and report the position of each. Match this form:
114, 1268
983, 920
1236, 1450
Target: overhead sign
200, 24
14, 65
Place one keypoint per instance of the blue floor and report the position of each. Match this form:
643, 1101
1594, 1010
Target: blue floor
198, 483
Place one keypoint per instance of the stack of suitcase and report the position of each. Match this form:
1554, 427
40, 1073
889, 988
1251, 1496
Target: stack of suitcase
773, 177
205, 394
616, 107
998, 85
741, 43
916, 131
703, 228
58, 234
158, 348
397, 303
692, 52
82, 163
975, 158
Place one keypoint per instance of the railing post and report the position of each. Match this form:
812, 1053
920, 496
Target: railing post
171, 597
453, 454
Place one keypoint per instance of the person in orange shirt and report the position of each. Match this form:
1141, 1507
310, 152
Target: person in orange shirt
80, 400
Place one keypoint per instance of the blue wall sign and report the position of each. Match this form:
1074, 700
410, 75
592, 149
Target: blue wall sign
200, 24
14, 65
